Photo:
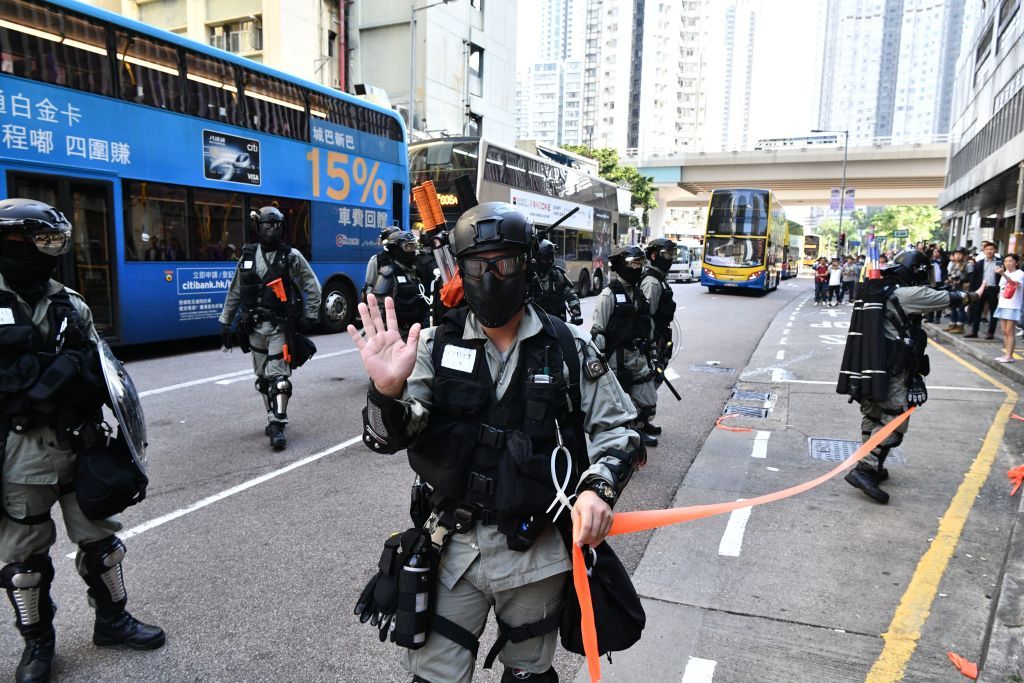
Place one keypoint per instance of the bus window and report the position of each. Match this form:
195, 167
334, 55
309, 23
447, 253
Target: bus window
443, 162
731, 252
296, 219
155, 221
738, 212
217, 221
149, 72
211, 89
274, 106
45, 44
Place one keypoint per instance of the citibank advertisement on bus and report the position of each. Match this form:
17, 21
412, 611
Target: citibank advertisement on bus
547, 210
230, 158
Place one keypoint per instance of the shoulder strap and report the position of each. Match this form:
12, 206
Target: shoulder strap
901, 320
571, 357
249, 251
616, 286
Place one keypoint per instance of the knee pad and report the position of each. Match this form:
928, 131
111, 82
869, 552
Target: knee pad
280, 392
99, 564
517, 675
263, 385
28, 587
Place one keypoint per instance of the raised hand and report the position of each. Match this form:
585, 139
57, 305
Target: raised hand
388, 360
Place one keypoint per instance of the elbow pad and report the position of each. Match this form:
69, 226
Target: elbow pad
384, 423
620, 466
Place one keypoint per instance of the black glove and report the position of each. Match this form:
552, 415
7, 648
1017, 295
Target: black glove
917, 393
306, 325
225, 336
577, 316
378, 603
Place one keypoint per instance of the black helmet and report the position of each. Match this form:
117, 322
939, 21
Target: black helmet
45, 226
490, 226
386, 232
269, 226
401, 246
545, 257
627, 262
909, 268
661, 253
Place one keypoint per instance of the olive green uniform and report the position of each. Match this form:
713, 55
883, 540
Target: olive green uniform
478, 571
645, 393
37, 472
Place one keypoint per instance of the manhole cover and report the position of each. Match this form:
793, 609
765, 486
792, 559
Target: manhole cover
710, 368
746, 411
740, 395
838, 450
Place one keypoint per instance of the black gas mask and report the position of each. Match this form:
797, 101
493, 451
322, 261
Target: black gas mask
495, 286
628, 263
662, 253
39, 236
402, 247
269, 227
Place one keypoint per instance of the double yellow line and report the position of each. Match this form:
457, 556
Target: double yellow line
904, 630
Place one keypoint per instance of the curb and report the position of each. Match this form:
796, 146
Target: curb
981, 351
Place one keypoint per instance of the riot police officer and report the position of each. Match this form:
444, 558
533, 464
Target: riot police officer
477, 401
52, 392
398, 278
378, 260
623, 330
551, 289
660, 253
884, 363
275, 293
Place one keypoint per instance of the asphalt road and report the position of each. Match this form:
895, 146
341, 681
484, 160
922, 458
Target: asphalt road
252, 560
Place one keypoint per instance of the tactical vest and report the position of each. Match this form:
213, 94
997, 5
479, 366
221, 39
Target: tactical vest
907, 355
494, 455
257, 296
630, 320
25, 354
666, 311
403, 287
550, 298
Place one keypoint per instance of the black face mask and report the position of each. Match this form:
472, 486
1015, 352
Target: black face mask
270, 238
630, 275
494, 300
25, 268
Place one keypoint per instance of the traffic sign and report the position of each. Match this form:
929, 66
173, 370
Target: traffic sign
901, 233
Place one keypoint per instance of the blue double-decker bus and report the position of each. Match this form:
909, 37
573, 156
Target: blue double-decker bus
157, 149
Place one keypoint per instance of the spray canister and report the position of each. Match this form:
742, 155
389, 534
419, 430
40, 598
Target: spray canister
415, 585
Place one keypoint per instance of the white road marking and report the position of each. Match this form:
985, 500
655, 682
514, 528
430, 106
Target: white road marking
216, 378
699, 670
227, 493
671, 374
773, 469
225, 382
777, 374
783, 340
937, 386
780, 354
791, 325
732, 539
760, 449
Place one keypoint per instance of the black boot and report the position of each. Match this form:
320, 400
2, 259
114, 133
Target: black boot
867, 481
275, 430
651, 429
99, 563
124, 629
36, 659
647, 440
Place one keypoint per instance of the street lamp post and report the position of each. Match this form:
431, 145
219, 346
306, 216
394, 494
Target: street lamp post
842, 190
412, 60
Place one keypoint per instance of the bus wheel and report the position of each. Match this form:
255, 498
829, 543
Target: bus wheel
712, 290
584, 284
338, 307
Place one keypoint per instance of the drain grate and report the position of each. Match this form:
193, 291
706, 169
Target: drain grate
838, 450
741, 395
746, 411
711, 368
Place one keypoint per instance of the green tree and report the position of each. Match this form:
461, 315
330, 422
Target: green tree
609, 168
922, 222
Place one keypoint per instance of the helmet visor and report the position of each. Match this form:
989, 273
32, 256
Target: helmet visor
635, 262
53, 242
668, 254
409, 246
475, 266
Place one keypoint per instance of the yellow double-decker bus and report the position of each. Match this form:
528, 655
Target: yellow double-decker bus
812, 246
745, 240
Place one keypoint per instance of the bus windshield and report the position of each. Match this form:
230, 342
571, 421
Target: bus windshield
736, 252
738, 212
443, 162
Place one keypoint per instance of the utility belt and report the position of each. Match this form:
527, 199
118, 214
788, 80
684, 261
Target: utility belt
71, 429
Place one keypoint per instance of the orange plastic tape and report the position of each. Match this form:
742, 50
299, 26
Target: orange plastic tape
643, 520
286, 354
967, 668
451, 293
719, 425
1016, 476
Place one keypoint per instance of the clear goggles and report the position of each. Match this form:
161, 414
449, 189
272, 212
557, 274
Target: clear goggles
271, 227
475, 266
668, 254
635, 262
409, 246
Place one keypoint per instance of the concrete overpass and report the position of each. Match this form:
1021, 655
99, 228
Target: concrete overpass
881, 174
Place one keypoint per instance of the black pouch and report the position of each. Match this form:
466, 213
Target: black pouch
618, 612
53, 380
524, 478
899, 357
446, 469
540, 406
303, 351
107, 480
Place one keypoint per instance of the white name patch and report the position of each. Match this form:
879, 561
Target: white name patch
620, 298
6, 316
246, 265
402, 279
458, 358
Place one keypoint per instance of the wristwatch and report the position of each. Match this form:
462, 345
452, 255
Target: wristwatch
603, 490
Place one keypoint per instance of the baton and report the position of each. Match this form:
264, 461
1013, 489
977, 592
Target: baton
664, 379
547, 231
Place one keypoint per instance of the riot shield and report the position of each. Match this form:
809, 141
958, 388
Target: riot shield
125, 403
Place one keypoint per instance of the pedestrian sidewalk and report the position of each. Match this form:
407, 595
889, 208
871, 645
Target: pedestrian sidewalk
981, 349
